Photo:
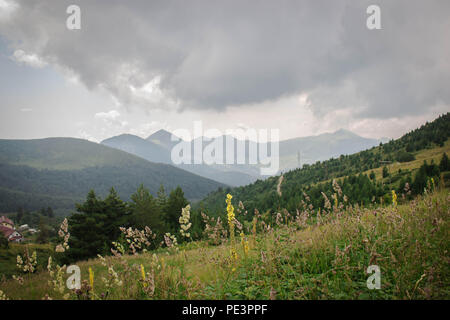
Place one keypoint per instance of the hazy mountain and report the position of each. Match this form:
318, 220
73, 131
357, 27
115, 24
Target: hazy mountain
163, 139
307, 150
142, 148
158, 146
293, 153
58, 171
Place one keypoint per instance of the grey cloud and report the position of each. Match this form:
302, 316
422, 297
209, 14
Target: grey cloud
213, 54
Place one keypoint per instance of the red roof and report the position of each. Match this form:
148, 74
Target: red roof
5, 219
6, 231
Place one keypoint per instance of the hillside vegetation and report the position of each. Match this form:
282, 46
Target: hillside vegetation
310, 233
401, 160
58, 172
305, 256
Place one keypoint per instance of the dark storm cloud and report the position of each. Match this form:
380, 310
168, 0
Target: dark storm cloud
212, 54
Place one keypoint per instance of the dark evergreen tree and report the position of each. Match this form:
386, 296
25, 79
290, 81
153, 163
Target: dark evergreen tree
444, 165
4, 243
146, 211
95, 225
175, 203
385, 172
44, 233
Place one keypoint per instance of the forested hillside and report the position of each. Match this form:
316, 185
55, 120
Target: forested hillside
58, 172
367, 176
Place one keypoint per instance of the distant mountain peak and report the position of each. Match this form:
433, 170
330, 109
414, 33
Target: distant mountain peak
343, 131
160, 134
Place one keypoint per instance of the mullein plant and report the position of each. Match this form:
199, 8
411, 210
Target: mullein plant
148, 282
245, 244
91, 282
231, 224
394, 198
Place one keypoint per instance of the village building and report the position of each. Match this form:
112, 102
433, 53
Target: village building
4, 221
8, 230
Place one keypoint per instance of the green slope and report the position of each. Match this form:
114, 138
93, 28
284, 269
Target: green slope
315, 178
58, 171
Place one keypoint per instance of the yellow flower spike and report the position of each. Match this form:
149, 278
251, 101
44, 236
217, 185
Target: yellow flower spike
394, 198
91, 280
143, 275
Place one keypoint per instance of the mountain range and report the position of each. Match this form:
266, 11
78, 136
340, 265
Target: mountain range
57, 172
293, 153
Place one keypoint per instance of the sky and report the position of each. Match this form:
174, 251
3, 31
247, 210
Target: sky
303, 67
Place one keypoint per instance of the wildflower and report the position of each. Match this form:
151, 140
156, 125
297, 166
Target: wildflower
30, 263
230, 216
244, 243
255, 220
184, 221
231, 222
234, 254
3, 296
337, 188
143, 275
263, 257
335, 197
394, 198
280, 181
18, 279
230, 210
63, 233
91, 279
137, 240
273, 294
327, 204
170, 240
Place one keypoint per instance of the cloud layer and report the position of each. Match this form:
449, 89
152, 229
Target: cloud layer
218, 54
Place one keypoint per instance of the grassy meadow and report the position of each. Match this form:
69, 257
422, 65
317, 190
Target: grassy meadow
305, 256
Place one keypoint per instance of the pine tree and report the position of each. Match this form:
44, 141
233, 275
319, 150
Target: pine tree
50, 213
43, 231
4, 243
146, 211
175, 202
162, 197
444, 165
96, 225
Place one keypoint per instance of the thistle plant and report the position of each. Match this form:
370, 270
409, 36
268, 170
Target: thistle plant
184, 221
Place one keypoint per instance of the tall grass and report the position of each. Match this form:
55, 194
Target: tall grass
306, 256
